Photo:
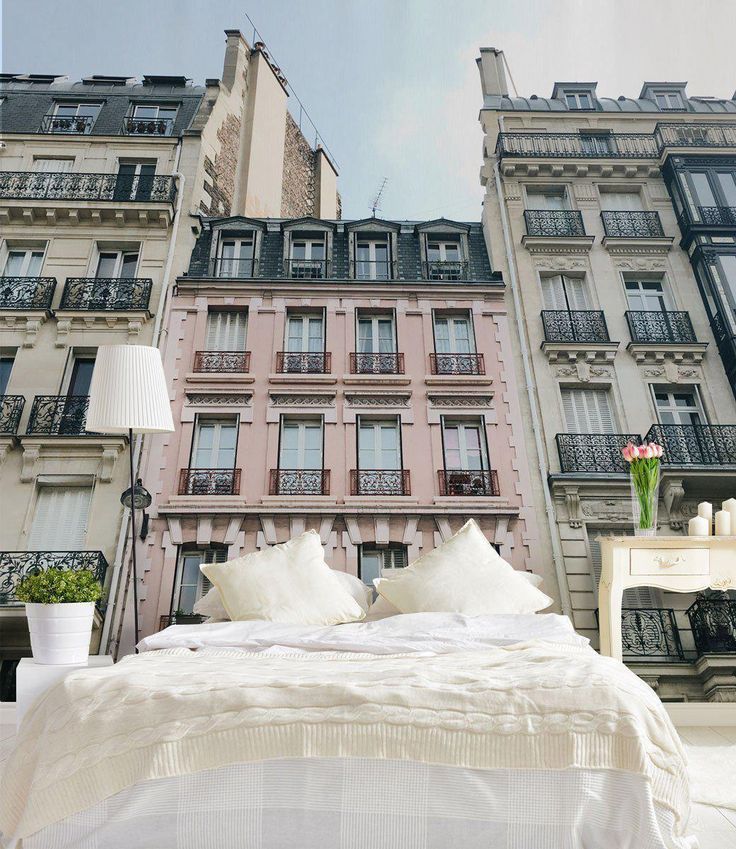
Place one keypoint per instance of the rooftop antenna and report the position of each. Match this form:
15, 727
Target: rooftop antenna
377, 199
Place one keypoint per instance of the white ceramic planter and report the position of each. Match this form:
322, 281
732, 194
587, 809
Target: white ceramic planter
60, 633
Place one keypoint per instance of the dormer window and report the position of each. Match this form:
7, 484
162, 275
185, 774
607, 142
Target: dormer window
308, 258
578, 100
150, 119
444, 259
372, 259
71, 118
236, 256
669, 99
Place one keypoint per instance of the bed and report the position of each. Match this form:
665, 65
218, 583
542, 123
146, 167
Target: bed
417, 731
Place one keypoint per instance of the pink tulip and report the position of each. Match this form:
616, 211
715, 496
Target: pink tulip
635, 452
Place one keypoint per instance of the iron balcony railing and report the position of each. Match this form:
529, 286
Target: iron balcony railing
234, 269
148, 126
695, 444
16, 565
650, 633
79, 125
468, 482
380, 482
362, 363
718, 216
307, 269
58, 415
209, 482
299, 482
457, 364
594, 452
237, 362
106, 294
372, 269
445, 270
577, 145
26, 293
554, 222
32, 185
632, 224
179, 619
303, 362
574, 326
660, 326
11, 409
713, 134
713, 622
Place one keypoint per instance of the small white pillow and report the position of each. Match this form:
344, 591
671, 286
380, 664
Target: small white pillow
463, 575
289, 582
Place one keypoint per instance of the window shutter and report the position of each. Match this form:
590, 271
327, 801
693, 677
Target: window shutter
577, 293
60, 519
634, 596
587, 411
553, 292
226, 331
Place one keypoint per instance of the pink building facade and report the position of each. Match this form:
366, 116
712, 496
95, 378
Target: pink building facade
352, 377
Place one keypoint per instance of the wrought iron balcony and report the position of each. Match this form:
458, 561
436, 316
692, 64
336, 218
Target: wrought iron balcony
209, 482
148, 126
577, 145
32, 185
660, 327
58, 415
303, 362
632, 224
26, 293
695, 444
234, 269
11, 409
554, 222
457, 364
464, 482
713, 134
16, 565
713, 620
237, 362
594, 452
372, 269
380, 482
361, 363
307, 269
650, 633
179, 619
299, 482
106, 294
574, 326
78, 125
718, 216
445, 270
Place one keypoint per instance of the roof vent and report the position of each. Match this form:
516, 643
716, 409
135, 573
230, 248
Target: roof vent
621, 97
534, 97
45, 79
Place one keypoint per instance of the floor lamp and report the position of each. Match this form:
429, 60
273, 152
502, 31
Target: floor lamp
128, 395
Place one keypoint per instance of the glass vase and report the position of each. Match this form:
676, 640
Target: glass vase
644, 503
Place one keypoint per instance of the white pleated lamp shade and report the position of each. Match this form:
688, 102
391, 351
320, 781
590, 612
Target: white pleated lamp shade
128, 391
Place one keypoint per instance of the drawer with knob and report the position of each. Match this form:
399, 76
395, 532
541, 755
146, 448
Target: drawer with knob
670, 561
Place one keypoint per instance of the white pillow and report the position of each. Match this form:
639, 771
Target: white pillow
463, 575
211, 605
289, 582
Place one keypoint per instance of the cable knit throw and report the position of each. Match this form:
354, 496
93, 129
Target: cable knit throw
536, 705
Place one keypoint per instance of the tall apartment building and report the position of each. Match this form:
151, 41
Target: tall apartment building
355, 377
614, 339
101, 182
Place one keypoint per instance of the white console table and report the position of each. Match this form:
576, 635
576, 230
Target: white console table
675, 564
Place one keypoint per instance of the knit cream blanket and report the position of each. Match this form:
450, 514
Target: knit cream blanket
536, 705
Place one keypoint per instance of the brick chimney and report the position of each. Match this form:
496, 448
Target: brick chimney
492, 72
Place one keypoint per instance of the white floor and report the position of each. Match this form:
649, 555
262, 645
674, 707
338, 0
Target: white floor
715, 827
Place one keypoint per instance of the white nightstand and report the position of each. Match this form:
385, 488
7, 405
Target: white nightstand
676, 564
33, 679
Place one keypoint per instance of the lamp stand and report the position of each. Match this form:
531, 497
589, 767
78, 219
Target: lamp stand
133, 539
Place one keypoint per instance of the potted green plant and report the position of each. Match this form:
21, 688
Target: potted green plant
60, 608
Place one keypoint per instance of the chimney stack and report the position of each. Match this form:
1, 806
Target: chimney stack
492, 72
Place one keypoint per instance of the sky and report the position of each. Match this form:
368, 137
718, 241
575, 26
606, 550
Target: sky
391, 85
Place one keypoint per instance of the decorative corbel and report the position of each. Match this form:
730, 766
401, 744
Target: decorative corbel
673, 491
30, 460
572, 502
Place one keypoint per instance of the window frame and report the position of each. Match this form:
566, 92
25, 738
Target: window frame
203, 585
691, 388
577, 97
208, 418
375, 316
449, 314
238, 239
460, 421
377, 421
305, 315
372, 240
7, 250
375, 549
301, 422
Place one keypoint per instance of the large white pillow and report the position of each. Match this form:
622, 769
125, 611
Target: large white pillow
211, 605
289, 582
463, 575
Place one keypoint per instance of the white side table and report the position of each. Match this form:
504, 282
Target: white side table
33, 679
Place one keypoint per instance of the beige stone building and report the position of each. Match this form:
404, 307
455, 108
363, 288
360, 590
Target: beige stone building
614, 342
102, 183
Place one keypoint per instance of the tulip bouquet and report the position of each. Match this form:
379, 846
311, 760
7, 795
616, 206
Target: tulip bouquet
643, 463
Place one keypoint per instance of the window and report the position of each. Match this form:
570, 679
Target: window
464, 445
236, 257
376, 334
678, 406
587, 411
226, 330
595, 144
151, 119
46, 164
308, 258
215, 442
375, 560
23, 262
622, 201
552, 199
453, 334
701, 188
645, 295
668, 99
305, 333
561, 292
444, 259
578, 100
60, 518
727, 185
301, 444
379, 446
134, 181
117, 264
77, 118
192, 584
81, 376
727, 267
165, 112
372, 260
6, 366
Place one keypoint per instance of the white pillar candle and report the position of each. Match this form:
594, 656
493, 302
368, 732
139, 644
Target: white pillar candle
698, 526
730, 505
723, 523
705, 509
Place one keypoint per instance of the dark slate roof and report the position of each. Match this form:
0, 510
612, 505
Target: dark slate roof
26, 102
408, 260
704, 105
